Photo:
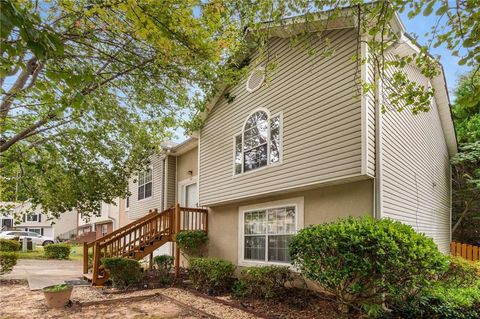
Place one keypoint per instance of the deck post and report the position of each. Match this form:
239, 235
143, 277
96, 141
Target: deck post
177, 249
85, 257
96, 262
151, 261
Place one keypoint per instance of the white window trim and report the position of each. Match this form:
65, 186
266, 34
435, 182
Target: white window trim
297, 202
182, 185
138, 186
280, 160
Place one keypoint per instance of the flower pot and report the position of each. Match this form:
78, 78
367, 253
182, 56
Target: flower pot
58, 298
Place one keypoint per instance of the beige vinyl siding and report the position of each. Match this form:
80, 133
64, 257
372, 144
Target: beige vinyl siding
415, 169
171, 181
139, 208
317, 97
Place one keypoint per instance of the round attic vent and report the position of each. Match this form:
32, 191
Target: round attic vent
256, 79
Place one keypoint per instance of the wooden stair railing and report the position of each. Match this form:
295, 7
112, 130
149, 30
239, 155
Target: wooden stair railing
141, 237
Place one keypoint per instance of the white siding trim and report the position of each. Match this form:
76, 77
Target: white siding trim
378, 147
298, 202
364, 106
165, 185
198, 169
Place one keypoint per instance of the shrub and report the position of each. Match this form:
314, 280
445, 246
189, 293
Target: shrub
362, 260
9, 245
57, 251
240, 289
441, 301
210, 274
455, 294
123, 271
461, 273
164, 264
8, 259
262, 282
192, 242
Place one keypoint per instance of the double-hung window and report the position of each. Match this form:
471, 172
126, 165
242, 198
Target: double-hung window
259, 144
266, 232
145, 184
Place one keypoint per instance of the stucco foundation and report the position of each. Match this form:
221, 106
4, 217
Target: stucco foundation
321, 205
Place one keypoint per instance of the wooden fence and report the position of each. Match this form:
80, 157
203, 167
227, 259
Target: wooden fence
469, 252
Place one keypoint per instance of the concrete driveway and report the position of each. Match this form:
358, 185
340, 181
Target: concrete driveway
42, 273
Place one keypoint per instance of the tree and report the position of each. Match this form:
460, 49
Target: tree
466, 164
90, 88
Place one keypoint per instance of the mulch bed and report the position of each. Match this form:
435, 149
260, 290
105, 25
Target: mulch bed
294, 303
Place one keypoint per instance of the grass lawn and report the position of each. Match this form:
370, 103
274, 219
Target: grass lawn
75, 254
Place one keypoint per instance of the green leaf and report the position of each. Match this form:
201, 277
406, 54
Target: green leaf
429, 8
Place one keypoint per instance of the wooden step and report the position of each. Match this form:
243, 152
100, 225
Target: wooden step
88, 277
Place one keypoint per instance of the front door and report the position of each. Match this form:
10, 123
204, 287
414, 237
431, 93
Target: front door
191, 195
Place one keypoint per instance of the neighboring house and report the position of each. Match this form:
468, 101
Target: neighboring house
22, 216
100, 223
307, 149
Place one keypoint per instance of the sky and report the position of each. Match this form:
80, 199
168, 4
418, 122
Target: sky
419, 25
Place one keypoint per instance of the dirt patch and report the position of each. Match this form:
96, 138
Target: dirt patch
17, 301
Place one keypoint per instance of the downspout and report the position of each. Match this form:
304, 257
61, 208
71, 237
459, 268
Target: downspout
378, 146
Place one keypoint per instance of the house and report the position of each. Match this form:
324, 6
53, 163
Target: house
306, 147
99, 224
22, 216
171, 178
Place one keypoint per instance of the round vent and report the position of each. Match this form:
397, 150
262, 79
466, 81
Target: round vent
255, 80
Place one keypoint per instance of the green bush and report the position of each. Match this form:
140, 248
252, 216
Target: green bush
240, 289
440, 301
164, 265
57, 251
262, 282
455, 294
192, 242
363, 260
210, 274
9, 245
123, 271
461, 273
8, 259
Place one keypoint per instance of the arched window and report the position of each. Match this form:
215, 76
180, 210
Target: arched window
259, 143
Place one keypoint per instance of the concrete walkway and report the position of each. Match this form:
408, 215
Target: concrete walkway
43, 273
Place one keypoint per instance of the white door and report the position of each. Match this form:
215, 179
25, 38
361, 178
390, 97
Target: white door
190, 195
